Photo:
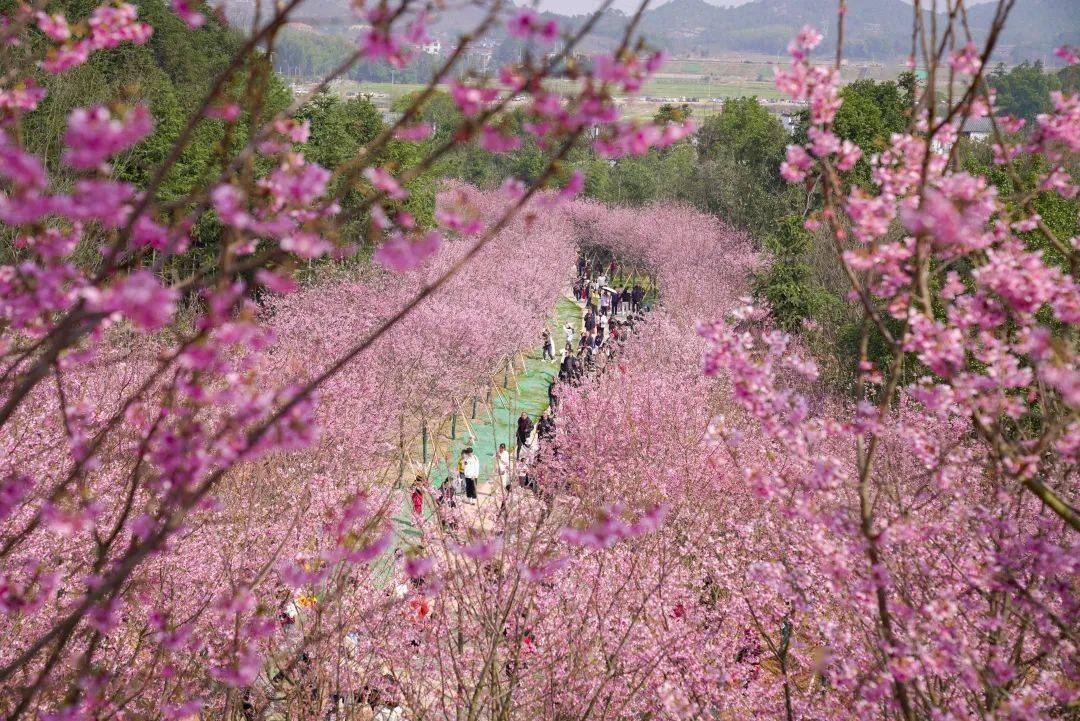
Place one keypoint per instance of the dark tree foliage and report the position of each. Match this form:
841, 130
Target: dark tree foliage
1024, 90
305, 54
789, 284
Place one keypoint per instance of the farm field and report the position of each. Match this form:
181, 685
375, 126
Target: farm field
703, 82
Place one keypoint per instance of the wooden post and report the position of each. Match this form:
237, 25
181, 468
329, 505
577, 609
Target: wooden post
453, 426
423, 441
474, 409
401, 449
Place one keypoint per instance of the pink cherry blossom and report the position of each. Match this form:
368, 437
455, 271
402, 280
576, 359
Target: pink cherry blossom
187, 13
526, 24
420, 131
966, 60
55, 26
1068, 54
141, 298
227, 112
794, 168
402, 254
494, 140
94, 135
385, 183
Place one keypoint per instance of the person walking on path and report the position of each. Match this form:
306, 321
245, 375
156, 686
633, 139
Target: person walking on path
445, 499
545, 427
549, 345
524, 429
502, 466
418, 495
470, 472
577, 365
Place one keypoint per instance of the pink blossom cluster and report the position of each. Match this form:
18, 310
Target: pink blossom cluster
914, 507
526, 24
108, 26
93, 134
329, 458
194, 464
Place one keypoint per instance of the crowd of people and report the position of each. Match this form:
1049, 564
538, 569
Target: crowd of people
609, 316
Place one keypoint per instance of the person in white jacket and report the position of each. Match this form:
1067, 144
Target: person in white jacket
502, 465
471, 472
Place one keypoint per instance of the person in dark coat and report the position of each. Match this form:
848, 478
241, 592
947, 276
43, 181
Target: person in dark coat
576, 366
524, 428
545, 427
566, 369
549, 345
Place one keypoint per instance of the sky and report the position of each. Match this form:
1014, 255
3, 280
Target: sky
580, 7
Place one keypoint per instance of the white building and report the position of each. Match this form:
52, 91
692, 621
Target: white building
433, 47
977, 129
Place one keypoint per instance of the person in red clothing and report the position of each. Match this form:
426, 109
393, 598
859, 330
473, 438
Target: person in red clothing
420, 607
528, 643
418, 495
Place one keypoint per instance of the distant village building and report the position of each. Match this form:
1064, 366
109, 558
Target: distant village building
479, 56
977, 129
785, 112
433, 47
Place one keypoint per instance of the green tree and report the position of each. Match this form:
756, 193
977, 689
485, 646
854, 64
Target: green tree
746, 132
737, 176
633, 180
1023, 91
871, 113
789, 284
339, 127
170, 74
670, 113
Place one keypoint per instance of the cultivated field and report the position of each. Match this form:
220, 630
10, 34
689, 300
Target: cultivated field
702, 82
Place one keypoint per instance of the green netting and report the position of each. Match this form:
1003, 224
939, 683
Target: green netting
496, 415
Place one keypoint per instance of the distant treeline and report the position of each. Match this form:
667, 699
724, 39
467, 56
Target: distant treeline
302, 53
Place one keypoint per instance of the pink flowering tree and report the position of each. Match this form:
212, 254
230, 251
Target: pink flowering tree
202, 473
146, 555
929, 524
